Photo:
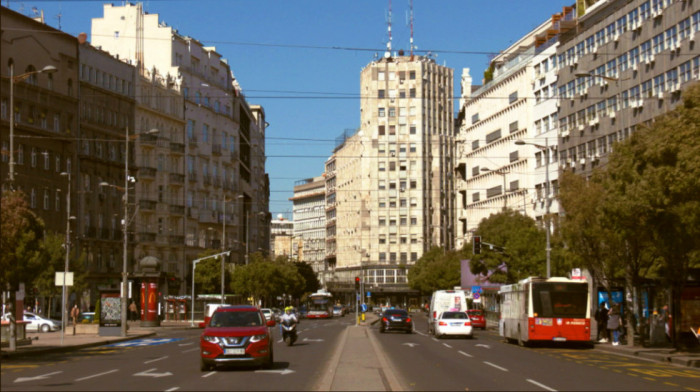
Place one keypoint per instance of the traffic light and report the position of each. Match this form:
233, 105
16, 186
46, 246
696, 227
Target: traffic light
357, 283
477, 245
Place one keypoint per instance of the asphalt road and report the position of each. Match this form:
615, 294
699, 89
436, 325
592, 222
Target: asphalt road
486, 362
170, 362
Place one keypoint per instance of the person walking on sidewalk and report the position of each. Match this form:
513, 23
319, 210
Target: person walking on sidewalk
601, 318
74, 314
614, 323
133, 311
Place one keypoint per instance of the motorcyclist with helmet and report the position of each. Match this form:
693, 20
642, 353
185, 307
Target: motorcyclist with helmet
288, 323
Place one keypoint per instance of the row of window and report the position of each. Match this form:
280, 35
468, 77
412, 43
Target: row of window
35, 116
402, 202
633, 97
37, 158
227, 142
594, 148
402, 257
106, 80
382, 184
402, 221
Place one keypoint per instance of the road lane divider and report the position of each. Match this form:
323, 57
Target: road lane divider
465, 354
190, 350
208, 374
157, 359
496, 366
541, 385
97, 375
35, 378
447, 345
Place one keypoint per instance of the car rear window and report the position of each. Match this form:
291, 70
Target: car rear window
396, 313
476, 312
235, 319
454, 315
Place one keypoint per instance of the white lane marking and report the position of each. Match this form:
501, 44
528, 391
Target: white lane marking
40, 377
447, 345
541, 385
482, 345
157, 359
420, 333
149, 373
435, 339
280, 341
282, 371
172, 389
190, 350
465, 354
496, 366
97, 375
185, 344
208, 374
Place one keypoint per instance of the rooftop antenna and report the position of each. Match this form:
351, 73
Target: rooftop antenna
410, 4
388, 44
58, 16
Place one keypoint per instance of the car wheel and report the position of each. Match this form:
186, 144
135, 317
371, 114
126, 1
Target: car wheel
203, 366
270, 359
45, 328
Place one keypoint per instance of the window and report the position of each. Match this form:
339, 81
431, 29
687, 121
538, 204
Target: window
47, 161
46, 199
512, 97
381, 112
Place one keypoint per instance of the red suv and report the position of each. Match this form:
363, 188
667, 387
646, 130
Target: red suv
236, 335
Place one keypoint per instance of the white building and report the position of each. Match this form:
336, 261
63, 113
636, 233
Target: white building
309, 216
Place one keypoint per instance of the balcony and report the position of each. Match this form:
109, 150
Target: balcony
177, 209
148, 205
148, 139
176, 240
177, 148
176, 178
147, 172
147, 237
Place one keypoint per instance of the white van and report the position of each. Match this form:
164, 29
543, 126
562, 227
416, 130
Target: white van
445, 300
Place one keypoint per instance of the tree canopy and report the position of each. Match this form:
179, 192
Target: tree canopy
20, 242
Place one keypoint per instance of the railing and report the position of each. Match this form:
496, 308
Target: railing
147, 204
147, 171
147, 237
177, 147
177, 209
176, 178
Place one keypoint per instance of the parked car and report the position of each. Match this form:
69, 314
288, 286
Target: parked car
236, 335
453, 324
396, 320
37, 323
477, 318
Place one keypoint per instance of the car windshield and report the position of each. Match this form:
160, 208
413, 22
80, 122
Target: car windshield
476, 313
395, 313
235, 319
454, 315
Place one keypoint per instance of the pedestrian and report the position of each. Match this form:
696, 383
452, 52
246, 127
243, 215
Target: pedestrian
133, 311
614, 323
601, 318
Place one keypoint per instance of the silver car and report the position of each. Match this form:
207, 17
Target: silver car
37, 323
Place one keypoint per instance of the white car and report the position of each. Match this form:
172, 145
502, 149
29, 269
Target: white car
453, 324
37, 323
267, 313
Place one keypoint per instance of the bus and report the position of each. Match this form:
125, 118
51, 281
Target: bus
539, 309
320, 305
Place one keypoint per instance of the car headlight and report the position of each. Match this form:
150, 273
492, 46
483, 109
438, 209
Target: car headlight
211, 339
258, 338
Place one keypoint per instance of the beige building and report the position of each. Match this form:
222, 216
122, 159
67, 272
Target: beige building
309, 216
222, 200
390, 186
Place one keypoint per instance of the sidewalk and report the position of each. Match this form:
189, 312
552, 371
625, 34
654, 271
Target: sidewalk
43, 343
661, 354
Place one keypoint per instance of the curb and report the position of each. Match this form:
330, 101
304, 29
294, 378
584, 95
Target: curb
660, 355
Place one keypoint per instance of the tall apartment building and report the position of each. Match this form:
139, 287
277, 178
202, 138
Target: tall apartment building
519, 104
41, 138
625, 63
309, 216
220, 151
390, 184
281, 238
107, 108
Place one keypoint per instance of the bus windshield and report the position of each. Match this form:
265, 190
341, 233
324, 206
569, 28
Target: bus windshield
566, 300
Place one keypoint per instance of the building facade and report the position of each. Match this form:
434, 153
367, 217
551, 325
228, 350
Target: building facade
309, 216
225, 190
391, 182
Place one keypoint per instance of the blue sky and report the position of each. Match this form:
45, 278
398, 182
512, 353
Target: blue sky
301, 59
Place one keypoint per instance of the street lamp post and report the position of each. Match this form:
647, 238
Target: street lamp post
502, 174
16, 79
125, 223
65, 267
194, 266
545, 149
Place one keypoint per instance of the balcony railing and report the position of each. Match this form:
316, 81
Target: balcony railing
177, 209
177, 240
177, 147
147, 172
145, 204
176, 178
147, 237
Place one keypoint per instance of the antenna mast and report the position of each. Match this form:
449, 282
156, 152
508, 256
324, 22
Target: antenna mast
388, 44
139, 37
411, 40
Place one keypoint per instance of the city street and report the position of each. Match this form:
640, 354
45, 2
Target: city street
169, 361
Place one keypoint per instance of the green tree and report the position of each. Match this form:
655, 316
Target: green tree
435, 270
311, 283
207, 277
265, 279
519, 249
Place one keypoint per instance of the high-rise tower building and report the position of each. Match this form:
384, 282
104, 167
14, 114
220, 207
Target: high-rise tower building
391, 182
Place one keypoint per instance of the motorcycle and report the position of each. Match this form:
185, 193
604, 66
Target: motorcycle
289, 332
